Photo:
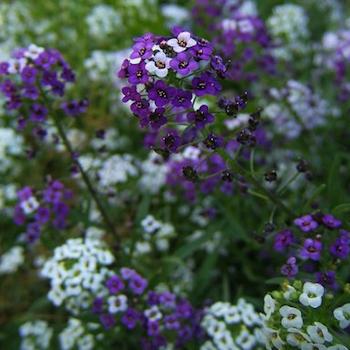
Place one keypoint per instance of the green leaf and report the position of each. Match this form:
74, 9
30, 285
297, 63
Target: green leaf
341, 208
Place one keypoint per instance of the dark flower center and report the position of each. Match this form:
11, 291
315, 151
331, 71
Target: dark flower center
182, 43
183, 64
160, 64
162, 93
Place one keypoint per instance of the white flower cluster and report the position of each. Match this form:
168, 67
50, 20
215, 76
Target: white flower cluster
232, 327
117, 169
80, 336
35, 335
77, 272
155, 235
11, 260
153, 173
289, 27
292, 321
297, 107
11, 144
103, 20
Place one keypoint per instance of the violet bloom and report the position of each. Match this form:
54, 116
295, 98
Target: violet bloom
138, 74
31, 92
130, 94
97, 305
203, 50
183, 64
182, 98
130, 318
152, 328
161, 93
172, 322
140, 108
330, 221
283, 240
171, 141
142, 49
137, 284
38, 113
74, 108
42, 215
311, 250
33, 232
107, 320
127, 273
114, 284
327, 279
157, 118
29, 74
290, 269
340, 248
205, 84
201, 117
306, 223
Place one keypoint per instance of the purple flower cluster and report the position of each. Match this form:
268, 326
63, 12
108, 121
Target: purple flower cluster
319, 242
162, 317
30, 77
37, 209
165, 76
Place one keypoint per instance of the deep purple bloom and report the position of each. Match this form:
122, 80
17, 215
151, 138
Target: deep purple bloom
4, 66
107, 320
213, 141
311, 249
130, 94
127, 273
33, 232
137, 284
130, 318
203, 50
124, 70
306, 223
74, 108
54, 192
97, 305
31, 92
171, 322
283, 240
330, 221
38, 113
8, 88
142, 49
161, 93
182, 98
205, 84
29, 74
171, 141
152, 328
114, 284
340, 248
156, 119
327, 279
201, 117
140, 108
217, 63
183, 64
290, 269
42, 215
138, 74
167, 299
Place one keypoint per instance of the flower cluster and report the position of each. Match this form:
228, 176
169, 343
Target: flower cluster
29, 78
49, 207
232, 326
288, 26
299, 317
163, 318
35, 335
77, 272
166, 75
11, 260
319, 242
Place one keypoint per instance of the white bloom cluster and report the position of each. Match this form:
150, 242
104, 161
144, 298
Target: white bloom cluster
77, 272
11, 144
117, 169
288, 25
103, 20
80, 336
11, 260
232, 327
153, 173
291, 320
155, 234
297, 107
35, 335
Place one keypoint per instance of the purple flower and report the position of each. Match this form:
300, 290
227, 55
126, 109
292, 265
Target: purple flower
74, 108
217, 63
42, 215
306, 223
167, 299
171, 322
142, 49
156, 119
130, 94
283, 240
124, 69
8, 88
203, 50
161, 93
183, 64
29, 74
137, 284
130, 318
200, 117
31, 92
182, 98
33, 232
340, 248
4, 66
38, 113
107, 320
213, 141
205, 84
138, 74
114, 284
290, 269
327, 279
330, 221
311, 249
140, 108
171, 141
152, 328
97, 305
127, 273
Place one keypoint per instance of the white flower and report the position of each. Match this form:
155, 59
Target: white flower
269, 305
312, 294
272, 337
310, 346
319, 333
291, 317
288, 293
150, 224
160, 65
33, 51
29, 205
215, 328
232, 315
337, 347
182, 42
11, 260
245, 340
153, 314
342, 314
296, 337
117, 303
